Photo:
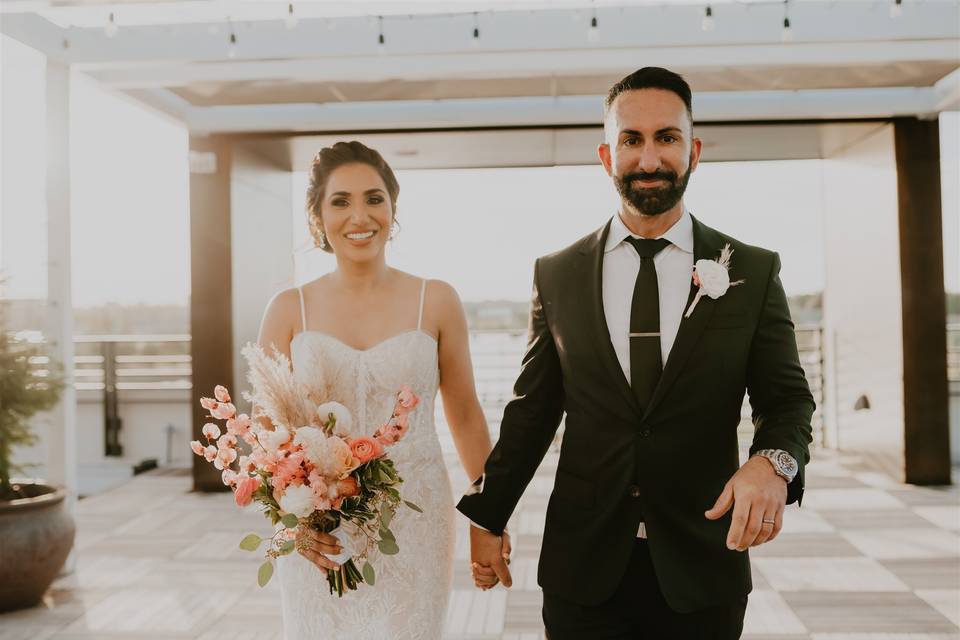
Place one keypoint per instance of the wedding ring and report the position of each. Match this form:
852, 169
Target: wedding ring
765, 521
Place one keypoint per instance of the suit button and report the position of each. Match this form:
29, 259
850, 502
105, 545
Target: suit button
645, 431
634, 491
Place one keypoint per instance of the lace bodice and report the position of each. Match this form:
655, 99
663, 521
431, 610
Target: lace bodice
409, 599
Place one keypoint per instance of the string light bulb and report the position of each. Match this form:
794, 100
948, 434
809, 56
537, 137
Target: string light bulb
896, 9
787, 34
111, 27
381, 41
475, 42
291, 20
593, 33
232, 46
708, 19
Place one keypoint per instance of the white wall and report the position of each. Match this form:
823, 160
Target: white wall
261, 233
862, 302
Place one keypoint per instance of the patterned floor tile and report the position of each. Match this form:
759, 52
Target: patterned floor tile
828, 574
946, 601
837, 612
878, 519
850, 499
818, 545
905, 543
926, 573
768, 613
943, 516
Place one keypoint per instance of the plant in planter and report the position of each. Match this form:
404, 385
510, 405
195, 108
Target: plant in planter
35, 527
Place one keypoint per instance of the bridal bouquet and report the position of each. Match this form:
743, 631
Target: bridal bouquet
307, 472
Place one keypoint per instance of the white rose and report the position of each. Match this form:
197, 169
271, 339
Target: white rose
340, 412
298, 500
714, 278
273, 440
308, 437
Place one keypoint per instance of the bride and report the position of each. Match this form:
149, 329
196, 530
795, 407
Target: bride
356, 335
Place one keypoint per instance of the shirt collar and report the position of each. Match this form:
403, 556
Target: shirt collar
680, 234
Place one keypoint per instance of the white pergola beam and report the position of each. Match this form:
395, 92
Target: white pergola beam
520, 64
547, 111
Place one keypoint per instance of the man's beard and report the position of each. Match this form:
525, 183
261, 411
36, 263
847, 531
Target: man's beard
656, 200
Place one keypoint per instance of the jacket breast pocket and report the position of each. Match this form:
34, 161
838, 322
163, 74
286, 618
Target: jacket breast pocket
573, 490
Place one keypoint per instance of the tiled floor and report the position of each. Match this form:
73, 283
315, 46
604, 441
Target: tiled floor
865, 558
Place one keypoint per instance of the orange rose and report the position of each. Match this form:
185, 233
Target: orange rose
365, 449
348, 487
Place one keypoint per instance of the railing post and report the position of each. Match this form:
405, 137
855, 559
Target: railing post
111, 413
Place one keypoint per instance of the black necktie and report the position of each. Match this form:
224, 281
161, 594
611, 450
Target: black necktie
645, 358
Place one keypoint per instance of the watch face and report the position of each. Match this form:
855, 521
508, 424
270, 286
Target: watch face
786, 463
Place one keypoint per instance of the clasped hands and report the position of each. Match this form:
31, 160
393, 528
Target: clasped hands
490, 558
756, 493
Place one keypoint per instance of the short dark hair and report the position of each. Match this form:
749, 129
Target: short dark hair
331, 158
652, 78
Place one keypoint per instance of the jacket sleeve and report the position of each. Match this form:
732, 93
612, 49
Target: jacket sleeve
529, 423
779, 394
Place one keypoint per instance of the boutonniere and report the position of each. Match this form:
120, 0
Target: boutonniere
712, 277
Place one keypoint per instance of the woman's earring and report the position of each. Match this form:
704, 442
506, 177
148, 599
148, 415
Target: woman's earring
393, 232
321, 239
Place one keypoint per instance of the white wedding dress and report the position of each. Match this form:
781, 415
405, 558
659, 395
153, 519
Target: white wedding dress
409, 598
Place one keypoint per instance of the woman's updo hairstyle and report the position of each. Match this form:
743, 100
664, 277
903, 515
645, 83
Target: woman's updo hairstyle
325, 163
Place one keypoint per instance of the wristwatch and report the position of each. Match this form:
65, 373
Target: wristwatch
783, 463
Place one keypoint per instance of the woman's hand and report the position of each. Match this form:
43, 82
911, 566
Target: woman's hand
313, 544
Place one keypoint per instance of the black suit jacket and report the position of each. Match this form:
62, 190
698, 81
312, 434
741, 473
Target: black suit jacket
663, 464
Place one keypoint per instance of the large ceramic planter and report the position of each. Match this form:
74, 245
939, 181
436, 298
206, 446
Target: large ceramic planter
36, 535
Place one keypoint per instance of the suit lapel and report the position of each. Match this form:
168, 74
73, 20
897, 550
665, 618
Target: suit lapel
706, 246
592, 253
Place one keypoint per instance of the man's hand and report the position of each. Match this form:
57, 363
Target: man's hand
489, 556
758, 496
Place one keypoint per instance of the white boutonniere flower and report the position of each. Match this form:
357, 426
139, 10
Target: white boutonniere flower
712, 277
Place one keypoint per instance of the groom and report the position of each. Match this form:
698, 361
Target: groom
651, 513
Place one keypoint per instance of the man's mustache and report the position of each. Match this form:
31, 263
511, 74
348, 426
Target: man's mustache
669, 176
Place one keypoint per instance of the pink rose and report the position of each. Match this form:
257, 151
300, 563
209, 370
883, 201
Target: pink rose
211, 431
221, 393
365, 449
407, 400
696, 279
208, 403
196, 447
223, 411
243, 493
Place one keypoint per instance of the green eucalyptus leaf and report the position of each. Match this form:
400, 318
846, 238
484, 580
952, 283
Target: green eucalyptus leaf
265, 573
386, 534
413, 506
388, 547
290, 521
251, 542
369, 576
287, 547
386, 518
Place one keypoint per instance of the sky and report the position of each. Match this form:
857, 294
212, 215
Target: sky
478, 229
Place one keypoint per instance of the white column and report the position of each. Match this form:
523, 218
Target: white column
62, 421
862, 301
261, 229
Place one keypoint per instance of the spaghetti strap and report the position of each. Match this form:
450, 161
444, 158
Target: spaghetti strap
423, 291
303, 311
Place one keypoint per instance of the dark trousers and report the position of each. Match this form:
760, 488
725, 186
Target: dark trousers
638, 611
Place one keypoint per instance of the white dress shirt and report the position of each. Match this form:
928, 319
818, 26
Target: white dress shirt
621, 264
